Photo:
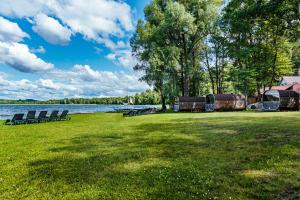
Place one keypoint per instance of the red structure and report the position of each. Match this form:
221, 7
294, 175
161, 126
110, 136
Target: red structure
192, 104
225, 102
291, 87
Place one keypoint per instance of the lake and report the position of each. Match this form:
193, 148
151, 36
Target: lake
7, 111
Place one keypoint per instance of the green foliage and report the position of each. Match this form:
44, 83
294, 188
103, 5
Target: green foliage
258, 41
148, 97
168, 45
296, 54
186, 47
240, 155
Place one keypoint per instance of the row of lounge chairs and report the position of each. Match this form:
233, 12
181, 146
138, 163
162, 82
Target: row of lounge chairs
42, 117
137, 112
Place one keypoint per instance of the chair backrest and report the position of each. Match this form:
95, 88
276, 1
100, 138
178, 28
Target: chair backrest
64, 114
42, 115
31, 114
54, 114
17, 117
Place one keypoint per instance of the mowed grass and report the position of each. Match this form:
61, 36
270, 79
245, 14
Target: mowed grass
237, 155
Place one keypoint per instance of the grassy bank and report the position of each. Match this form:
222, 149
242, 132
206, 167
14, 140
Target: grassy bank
167, 156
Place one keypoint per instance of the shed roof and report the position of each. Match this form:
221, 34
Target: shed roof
283, 93
227, 96
294, 87
191, 99
287, 80
281, 87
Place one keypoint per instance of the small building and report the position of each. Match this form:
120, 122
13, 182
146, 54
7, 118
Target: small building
192, 104
225, 102
276, 100
288, 83
290, 87
290, 80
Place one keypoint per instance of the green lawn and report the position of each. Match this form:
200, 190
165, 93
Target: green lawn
237, 155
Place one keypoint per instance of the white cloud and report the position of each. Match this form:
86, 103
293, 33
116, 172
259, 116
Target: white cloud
22, 8
86, 73
40, 49
123, 58
79, 81
114, 46
96, 19
51, 30
19, 57
10, 31
48, 84
107, 22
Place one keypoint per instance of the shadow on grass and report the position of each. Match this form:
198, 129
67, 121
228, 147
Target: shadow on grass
183, 159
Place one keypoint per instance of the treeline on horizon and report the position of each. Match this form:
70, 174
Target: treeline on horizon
196, 47
148, 97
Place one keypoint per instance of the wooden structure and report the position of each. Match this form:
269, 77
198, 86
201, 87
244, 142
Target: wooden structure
225, 102
192, 104
275, 100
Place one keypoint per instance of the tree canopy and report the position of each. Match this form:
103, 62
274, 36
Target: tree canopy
194, 47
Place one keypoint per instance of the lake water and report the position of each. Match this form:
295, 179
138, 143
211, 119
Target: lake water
7, 111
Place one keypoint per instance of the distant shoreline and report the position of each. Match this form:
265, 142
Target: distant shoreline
32, 104
82, 104
8, 110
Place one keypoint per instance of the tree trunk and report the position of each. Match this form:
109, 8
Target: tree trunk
163, 101
209, 72
273, 71
186, 70
186, 87
258, 90
217, 69
182, 76
274, 63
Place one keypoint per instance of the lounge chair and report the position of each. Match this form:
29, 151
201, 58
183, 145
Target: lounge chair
54, 116
17, 119
42, 117
128, 114
30, 118
64, 115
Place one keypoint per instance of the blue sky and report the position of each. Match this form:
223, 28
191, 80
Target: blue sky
68, 48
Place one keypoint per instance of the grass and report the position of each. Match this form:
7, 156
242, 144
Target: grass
235, 155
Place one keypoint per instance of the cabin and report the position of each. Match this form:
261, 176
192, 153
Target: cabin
291, 87
290, 80
225, 102
191, 104
276, 100
291, 83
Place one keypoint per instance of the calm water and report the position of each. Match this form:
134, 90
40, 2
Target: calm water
7, 111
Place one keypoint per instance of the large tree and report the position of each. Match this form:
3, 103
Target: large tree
169, 44
157, 58
258, 42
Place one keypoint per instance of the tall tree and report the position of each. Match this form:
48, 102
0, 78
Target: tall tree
157, 58
169, 43
257, 41
216, 59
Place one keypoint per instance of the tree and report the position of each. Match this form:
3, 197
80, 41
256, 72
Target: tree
216, 59
157, 58
187, 24
168, 45
296, 54
257, 42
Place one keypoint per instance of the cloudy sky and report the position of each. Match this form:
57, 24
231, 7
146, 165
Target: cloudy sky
68, 48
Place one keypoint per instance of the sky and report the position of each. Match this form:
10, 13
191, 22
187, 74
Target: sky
52, 49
